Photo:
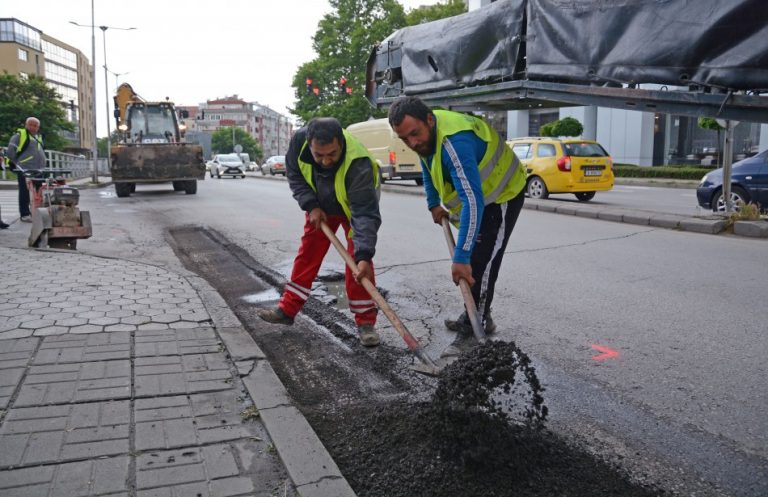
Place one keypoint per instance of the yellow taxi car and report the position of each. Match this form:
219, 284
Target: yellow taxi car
564, 165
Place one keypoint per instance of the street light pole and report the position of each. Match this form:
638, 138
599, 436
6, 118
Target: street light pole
106, 96
95, 149
106, 91
117, 77
95, 152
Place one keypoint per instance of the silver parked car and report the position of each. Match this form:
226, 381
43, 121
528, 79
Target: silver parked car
274, 165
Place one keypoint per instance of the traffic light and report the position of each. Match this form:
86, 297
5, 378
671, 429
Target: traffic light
308, 81
316, 91
343, 85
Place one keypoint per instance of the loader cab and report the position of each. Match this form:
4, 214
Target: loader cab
151, 123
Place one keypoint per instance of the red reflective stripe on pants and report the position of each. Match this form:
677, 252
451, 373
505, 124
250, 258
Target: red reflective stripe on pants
314, 245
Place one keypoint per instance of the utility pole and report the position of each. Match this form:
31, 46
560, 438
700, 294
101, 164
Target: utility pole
95, 150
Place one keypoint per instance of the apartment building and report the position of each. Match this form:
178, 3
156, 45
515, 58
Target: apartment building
25, 51
271, 130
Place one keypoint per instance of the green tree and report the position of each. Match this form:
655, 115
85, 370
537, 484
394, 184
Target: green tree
546, 129
101, 144
711, 124
428, 13
21, 98
343, 42
221, 143
567, 126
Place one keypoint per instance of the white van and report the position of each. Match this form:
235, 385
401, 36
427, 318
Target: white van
396, 160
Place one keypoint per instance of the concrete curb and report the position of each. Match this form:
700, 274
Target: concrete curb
310, 466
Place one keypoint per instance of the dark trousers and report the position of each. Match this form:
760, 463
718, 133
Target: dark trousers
23, 194
496, 227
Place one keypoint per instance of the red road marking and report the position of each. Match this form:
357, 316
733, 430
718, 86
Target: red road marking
606, 352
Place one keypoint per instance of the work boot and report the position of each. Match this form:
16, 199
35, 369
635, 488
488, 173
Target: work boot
463, 326
275, 316
368, 335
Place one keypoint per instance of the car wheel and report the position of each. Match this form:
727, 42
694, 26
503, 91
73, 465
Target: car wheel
271, 172
585, 196
738, 196
536, 188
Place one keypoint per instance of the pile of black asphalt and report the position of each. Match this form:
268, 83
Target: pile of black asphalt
482, 434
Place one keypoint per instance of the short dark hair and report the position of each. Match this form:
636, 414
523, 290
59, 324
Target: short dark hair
408, 106
324, 130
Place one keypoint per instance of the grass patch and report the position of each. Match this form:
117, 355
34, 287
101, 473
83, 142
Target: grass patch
250, 413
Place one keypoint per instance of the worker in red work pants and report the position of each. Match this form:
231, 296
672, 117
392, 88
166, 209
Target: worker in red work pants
314, 246
335, 181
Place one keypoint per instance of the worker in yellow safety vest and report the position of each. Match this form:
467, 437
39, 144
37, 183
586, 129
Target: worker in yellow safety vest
25, 152
335, 181
473, 177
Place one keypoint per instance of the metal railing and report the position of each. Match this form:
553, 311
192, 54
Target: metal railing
81, 167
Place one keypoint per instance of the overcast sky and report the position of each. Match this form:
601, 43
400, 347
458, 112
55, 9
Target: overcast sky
189, 51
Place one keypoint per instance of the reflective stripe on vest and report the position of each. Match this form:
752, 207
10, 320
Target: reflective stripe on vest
354, 150
500, 172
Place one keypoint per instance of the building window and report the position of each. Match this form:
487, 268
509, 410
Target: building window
23, 55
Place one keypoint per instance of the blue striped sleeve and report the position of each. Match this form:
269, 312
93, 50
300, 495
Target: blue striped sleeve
460, 156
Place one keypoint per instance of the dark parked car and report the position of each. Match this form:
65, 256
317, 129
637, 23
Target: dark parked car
749, 183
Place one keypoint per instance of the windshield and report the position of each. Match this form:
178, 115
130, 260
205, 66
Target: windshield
584, 149
228, 159
154, 122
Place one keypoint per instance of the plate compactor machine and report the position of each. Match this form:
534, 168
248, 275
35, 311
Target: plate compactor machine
57, 221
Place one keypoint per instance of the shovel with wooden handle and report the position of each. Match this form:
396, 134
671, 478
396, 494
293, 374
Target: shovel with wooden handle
429, 367
466, 292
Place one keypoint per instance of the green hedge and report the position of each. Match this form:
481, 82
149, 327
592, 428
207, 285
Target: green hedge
670, 172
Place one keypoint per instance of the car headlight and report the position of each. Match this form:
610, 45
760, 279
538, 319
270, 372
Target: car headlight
704, 180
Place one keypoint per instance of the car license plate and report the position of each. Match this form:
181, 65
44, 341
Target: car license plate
592, 172
406, 167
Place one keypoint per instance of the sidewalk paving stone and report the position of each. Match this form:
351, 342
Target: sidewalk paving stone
91, 478
75, 382
167, 375
16, 353
64, 349
187, 420
51, 434
177, 342
9, 380
162, 469
14, 357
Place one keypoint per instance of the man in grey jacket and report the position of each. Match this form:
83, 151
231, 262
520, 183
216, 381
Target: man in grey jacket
25, 151
334, 180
